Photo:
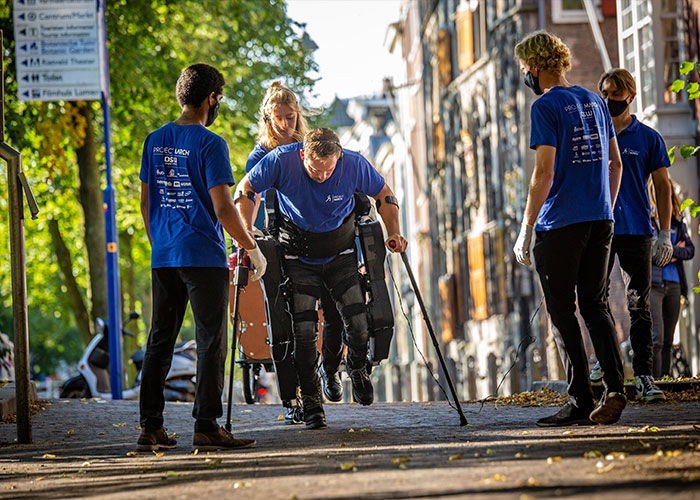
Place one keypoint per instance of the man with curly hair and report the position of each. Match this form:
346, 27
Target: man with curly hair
186, 203
570, 208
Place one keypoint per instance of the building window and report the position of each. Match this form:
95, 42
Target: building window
673, 50
637, 51
572, 11
470, 24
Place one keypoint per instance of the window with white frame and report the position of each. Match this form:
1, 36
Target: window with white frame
673, 49
572, 11
637, 50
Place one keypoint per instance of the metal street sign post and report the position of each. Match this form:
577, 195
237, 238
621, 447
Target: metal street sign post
61, 53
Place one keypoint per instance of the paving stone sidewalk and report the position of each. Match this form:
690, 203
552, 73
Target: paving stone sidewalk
387, 450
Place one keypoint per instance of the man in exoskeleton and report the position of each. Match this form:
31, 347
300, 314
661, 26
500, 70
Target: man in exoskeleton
316, 181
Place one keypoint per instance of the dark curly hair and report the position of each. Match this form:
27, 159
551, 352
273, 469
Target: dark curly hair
197, 82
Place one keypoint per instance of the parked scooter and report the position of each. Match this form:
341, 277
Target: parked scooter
93, 380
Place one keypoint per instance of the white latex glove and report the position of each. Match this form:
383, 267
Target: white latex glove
257, 233
259, 262
662, 251
523, 245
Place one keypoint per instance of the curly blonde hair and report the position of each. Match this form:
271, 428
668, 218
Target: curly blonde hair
544, 51
276, 95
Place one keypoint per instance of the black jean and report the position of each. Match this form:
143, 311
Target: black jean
665, 308
573, 261
634, 254
207, 289
341, 278
332, 346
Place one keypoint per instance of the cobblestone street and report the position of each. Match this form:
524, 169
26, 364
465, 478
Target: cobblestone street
388, 450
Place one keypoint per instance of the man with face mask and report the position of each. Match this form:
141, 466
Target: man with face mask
643, 154
316, 181
186, 204
569, 207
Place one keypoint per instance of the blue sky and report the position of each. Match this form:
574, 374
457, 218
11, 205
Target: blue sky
350, 34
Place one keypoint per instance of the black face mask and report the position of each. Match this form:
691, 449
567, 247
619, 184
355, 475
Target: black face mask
213, 113
616, 107
533, 82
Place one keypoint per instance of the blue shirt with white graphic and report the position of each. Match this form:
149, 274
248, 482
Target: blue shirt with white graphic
254, 157
576, 122
313, 206
180, 163
643, 151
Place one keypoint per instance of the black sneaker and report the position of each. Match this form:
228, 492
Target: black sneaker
609, 408
332, 388
362, 391
294, 415
647, 390
314, 417
567, 415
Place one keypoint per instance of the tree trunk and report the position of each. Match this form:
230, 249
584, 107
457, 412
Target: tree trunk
75, 297
128, 289
91, 200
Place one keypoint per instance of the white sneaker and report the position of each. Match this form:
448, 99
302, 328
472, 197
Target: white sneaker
647, 389
596, 376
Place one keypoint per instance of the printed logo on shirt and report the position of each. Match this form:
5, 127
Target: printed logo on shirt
632, 152
335, 197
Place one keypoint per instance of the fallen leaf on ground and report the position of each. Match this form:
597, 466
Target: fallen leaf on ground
245, 411
525, 433
351, 430
402, 466
455, 457
158, 453
196, 451
85, 464
343, 444
281, 417
593, 454
489, 451
48, 455
215, 463
650, 428
604, 468
615, 455
347, 466
100, 433
132, 453
365, 429
499, 477
137, 427
122, 424
567, 433
173, 435
41, 478
520, 455
551, 460
531, 481
70, 432
171, 473
400, 459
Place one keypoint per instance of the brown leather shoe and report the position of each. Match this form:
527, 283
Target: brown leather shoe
220, 439
155, 440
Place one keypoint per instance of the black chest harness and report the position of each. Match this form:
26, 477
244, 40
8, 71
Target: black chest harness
301, 243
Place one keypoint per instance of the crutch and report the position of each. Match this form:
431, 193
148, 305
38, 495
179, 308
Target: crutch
462, 419
240, 280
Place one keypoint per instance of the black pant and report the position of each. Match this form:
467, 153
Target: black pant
665, 308
571, 261
332, 347
207, 289
340, 277
634, 254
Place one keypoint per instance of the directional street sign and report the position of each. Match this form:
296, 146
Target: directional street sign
57, 50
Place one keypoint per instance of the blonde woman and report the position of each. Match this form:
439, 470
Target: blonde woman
570, 210
281, 122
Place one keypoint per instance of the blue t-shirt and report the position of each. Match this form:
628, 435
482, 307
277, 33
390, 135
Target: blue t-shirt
254, 157
313, 206
576, 122
670, 270
180, 163
643, 151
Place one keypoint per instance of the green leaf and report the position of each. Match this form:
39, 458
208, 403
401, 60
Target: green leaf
686, 67
694, 210
678, 85
672, 154
686, 203
687, 151
696, 289
693, 87
694, 96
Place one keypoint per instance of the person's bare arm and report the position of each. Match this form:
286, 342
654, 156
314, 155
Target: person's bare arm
614, 170
144, 210
228, 215
246, 206
390, 216
540, 183
662, 187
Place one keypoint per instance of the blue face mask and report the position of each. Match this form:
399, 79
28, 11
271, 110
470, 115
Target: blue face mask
533, 82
